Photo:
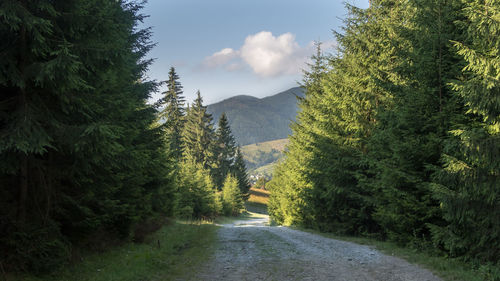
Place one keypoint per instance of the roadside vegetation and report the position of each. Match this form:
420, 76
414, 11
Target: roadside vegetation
84, 155
257, 201
398, 135
175, 251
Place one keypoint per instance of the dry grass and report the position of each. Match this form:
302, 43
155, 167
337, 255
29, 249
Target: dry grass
267, 146
257, 202
259, 196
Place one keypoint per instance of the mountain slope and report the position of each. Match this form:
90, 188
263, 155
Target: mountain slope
254, 120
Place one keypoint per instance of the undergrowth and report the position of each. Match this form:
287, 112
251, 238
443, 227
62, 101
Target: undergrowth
174, 251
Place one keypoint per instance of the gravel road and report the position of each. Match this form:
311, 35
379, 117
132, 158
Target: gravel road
252, 250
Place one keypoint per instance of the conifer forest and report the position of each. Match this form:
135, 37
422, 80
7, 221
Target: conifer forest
82, 152
397, 137
399, 132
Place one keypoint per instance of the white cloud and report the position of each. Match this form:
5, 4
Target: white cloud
267, 55
220, 58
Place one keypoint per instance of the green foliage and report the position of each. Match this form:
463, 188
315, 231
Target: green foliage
174, 252
239, 171
407, 140
468, 184
172, 114
225, 151
196, 197
78, 150
208, 158
261, 183
398, 134
199, 135
231, 197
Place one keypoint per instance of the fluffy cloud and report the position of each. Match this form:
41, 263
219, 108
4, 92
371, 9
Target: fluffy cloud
220, 58
266, 54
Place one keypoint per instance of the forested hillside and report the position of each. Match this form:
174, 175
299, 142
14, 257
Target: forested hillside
399, 132
83, 158
397, 138
254, 120
263, 153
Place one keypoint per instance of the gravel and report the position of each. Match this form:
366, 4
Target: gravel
252, 250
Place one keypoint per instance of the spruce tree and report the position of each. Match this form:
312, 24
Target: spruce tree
196, 197
78, 150
290, 185
199, 135
468, 186
407, 141
231, 197
225, 151
172, 114
239, 171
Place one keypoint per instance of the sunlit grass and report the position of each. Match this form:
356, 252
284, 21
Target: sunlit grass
259, 196
257, 201
175, 251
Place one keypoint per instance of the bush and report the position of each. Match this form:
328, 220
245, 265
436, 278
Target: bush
35, 248
231, 197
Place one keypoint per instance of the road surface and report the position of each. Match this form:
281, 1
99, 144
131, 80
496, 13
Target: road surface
252, 250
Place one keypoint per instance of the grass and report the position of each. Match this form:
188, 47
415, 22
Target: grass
257, 201
266, 170
258, 196
263, 155
446, 268
173, 252
267, 146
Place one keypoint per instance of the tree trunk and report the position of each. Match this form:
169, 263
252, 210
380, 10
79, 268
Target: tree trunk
23, 189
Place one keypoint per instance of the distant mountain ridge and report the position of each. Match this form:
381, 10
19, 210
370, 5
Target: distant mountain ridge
254, 120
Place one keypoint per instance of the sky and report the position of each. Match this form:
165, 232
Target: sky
225, 48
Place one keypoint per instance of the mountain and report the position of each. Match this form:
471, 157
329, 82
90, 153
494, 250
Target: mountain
254, 120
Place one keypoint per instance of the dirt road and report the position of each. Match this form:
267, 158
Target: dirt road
251, 250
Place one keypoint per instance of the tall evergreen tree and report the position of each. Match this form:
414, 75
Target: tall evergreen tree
198, 134
172, 114
290, 186
325, 164
225, 151
77, 150
468, 187
239, 170
407, 141
231, 196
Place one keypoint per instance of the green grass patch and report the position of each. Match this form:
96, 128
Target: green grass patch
446, 268
257, 201
261, 157
173, 252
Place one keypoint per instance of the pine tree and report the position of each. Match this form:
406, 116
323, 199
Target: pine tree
290, 186
199, 135
239, 171
225, 151
197, 196
78, 151
407, 141
172, 114
231, 196
468, 186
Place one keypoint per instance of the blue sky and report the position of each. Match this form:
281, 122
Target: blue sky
231, 47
